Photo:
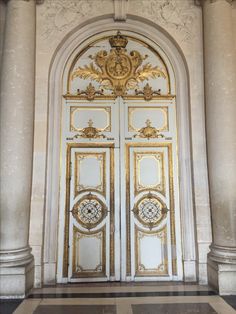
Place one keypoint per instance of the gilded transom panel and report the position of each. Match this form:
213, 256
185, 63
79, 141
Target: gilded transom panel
118, 65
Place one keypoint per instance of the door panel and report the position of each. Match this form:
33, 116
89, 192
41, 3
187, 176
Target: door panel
149, 204
122, 167
92, 212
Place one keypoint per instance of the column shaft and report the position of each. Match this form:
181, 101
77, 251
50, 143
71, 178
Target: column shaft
16, 133
220, 91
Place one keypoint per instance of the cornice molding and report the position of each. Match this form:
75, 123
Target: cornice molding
37, 1
120, 10
200, 2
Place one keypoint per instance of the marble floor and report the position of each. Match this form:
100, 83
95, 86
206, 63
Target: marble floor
129, 298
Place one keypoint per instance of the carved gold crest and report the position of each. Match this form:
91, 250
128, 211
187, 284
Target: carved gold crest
118, 70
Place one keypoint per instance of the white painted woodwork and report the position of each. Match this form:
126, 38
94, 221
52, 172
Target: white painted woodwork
119, 123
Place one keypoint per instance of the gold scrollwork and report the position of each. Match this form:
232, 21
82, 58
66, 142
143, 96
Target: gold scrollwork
89, 211
90, 132
90, 92
148, 92
117, 70
150, 210
149, 131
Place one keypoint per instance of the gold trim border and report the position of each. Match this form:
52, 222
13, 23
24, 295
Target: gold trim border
74, 108
154, 188
150, 273
103, 175
132, 109
110, 97
90, 274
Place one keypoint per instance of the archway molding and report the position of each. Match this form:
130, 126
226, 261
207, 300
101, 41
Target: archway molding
66, 51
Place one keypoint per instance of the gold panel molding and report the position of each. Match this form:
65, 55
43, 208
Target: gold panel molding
101, 187
77, 109
100, 269
138, 186
132, 110
162, 268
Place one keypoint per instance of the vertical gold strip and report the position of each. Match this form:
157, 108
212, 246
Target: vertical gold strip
128, 250
112, 226
74, 250
172, 210
67, 211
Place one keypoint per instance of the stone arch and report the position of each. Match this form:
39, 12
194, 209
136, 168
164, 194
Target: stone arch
156, 34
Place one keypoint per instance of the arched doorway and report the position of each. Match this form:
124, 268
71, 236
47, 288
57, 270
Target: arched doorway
119, 178
154, 37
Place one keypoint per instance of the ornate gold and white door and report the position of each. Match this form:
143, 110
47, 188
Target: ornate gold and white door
119, 151
148, 189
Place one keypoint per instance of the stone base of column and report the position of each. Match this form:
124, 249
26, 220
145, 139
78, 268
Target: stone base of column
16, 273
221, 268
16, 282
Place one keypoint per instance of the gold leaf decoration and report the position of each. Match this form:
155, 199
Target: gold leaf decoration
147, 71
88, 72
118, 70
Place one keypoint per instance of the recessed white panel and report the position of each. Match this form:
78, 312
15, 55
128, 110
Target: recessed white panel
89, 253
149, 173
150, 251
90, 172
139, 116
100, 118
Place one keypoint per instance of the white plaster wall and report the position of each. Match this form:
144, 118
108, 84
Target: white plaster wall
183, 21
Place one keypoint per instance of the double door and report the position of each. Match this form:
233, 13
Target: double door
122, 213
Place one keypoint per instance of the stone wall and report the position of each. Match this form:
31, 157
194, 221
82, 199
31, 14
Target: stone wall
2, 22
181, 20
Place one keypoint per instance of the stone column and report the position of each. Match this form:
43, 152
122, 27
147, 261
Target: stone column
16, 135
220, 92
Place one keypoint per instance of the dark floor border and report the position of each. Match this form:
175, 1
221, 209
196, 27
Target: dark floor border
231, 300
8, 306
120, 294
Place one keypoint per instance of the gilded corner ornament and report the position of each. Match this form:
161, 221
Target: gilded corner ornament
118, 70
